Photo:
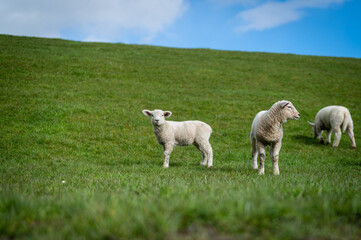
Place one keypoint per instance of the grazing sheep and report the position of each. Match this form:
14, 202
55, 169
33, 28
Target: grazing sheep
267, 130
170, 133
333, 118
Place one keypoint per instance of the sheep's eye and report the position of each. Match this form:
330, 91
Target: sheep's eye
162, 115
289, 107
152, 115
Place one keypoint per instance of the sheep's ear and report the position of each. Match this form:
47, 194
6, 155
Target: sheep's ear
311, 124
167, 114
284, 103
147, 113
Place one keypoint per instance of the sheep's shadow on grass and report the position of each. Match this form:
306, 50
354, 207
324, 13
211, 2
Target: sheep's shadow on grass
225, 169
131, 163
177, 163
351, 159
306, 140
351, 163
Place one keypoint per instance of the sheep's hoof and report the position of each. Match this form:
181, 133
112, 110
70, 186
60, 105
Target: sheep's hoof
327, 143
165, 166
255, 167
353, 147
210, 166
203, 164
321, 141
334, 146
260, 173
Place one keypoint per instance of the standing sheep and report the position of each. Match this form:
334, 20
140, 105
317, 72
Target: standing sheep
333, 118
267, 130
170, 133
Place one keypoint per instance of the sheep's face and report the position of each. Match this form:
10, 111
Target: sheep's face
289, 111
157, 117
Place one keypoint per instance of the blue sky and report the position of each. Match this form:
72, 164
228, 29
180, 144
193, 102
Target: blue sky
308, 27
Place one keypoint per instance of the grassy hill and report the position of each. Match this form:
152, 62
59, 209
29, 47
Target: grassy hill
71, 111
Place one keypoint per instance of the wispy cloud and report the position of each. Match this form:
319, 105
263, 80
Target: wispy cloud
236, 2
273, 14
106, 20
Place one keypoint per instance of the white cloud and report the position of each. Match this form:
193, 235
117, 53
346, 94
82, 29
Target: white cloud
273, 14
93, 19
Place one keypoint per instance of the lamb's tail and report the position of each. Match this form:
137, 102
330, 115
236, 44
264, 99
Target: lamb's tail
346, 121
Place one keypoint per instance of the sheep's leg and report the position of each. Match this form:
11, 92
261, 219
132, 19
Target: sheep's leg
168, 148
262, 156
337, 137
320, 137
352, 137
204, 153
207, 153
254, 153
274, 152
204, 158
328, 140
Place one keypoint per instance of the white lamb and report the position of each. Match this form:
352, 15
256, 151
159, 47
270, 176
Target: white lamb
333, 119
267, 130
171, 133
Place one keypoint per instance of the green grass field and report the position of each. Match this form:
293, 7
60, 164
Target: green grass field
71, 111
